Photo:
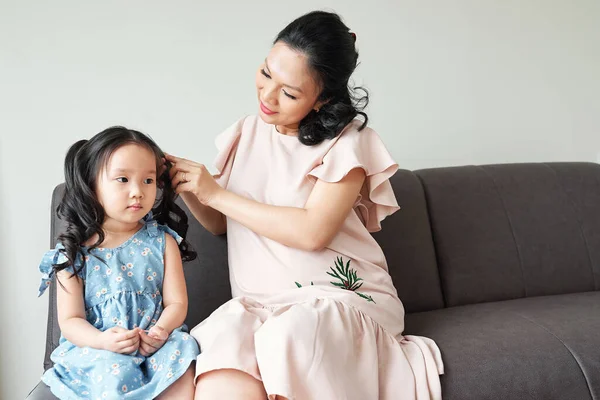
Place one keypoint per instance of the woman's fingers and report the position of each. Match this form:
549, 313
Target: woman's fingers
181, 178
184, 187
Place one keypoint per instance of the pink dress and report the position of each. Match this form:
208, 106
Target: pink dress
314, 325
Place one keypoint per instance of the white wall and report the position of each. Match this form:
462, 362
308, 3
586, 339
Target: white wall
452, 82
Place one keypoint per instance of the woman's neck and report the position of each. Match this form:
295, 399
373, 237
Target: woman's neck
289, 130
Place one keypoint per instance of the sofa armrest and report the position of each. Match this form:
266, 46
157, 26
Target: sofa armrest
41, 392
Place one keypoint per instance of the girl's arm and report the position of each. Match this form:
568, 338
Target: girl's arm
311, 227
175, 300
77, 330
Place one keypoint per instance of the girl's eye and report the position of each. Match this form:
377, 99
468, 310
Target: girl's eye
289, 95
149, 181
265, 73
122, 179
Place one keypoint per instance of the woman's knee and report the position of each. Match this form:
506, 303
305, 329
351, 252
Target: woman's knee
229, 384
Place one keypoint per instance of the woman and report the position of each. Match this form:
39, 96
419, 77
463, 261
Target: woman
315, 314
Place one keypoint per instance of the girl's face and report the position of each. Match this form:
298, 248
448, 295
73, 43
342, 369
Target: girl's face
286, 89
126, 186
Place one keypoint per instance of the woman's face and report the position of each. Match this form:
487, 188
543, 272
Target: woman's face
286, 89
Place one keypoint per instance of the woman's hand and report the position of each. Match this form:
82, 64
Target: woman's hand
188, 176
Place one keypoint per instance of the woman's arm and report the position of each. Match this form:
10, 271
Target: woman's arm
309, 228
212, 220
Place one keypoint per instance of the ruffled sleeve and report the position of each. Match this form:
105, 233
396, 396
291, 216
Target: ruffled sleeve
51, 258
227, 143
156, 230
363, 149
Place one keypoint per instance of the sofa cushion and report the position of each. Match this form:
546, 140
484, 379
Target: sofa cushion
519, 230
536, 348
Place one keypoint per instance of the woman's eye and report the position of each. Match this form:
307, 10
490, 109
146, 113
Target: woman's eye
289, 95
265, 73
122, 179
149, 181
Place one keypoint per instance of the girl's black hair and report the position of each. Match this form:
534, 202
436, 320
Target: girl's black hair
330, 50
80, 208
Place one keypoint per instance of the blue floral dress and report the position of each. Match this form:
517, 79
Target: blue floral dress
122, 287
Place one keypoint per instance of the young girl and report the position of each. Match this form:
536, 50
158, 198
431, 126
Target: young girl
122, 297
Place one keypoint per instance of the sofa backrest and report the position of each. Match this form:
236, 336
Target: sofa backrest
517, 230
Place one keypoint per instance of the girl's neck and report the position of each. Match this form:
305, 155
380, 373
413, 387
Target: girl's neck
115, 233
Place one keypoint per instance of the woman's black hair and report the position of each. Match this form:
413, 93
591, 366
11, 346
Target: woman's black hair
80, 208
330, 50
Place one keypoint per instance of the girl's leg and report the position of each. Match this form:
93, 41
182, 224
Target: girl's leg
229, 384
182, 389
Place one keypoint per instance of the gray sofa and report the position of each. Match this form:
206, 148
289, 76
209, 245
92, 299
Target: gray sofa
499, 264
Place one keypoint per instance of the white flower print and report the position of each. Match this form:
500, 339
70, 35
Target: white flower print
173, 357
86, 258
116, 372
124, 268
129, 265
108, 256
153, 321
153, 360
120, 323
108, 271
96, 268
119, 278
170, 375
114, 320
160, 367
155, 367
85, 351
97, 294
124, 388
150, 278
154, 274
159, 240
185, 337
103, 291
177, 353
129, 273
181, 360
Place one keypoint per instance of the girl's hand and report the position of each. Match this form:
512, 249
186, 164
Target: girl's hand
119, 340
188, 176
153, 340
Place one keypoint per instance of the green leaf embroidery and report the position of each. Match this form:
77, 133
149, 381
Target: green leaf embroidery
348, 278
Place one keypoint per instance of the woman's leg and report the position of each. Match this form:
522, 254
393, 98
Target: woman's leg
229, 384
182, 389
